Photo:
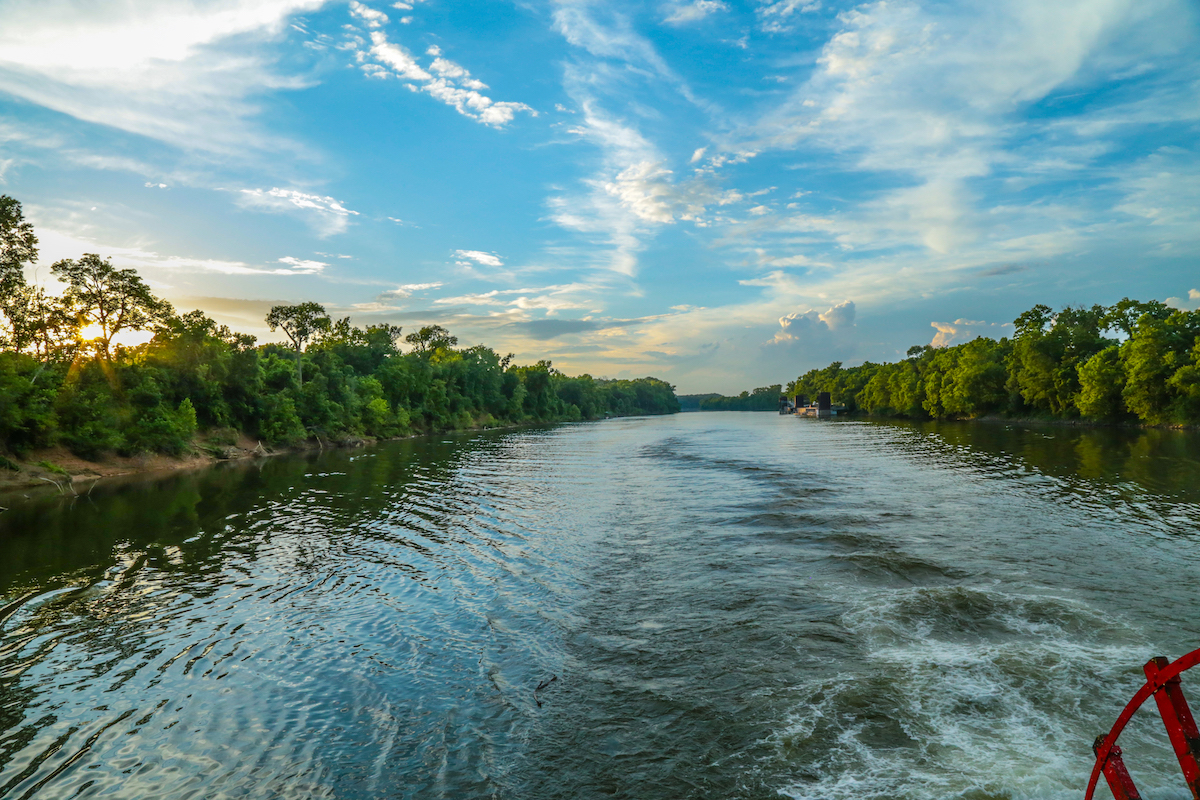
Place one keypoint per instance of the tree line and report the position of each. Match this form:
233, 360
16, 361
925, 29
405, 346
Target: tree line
764, 398
65, 380
1132, 362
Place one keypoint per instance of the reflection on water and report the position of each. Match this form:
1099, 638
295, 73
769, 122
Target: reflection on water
735, 605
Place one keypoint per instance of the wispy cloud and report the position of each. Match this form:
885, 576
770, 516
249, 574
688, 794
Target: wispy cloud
326, 215
479, 257
680, 13
444, 80
407, 290
964, 330
57, 244
775, 16
373, 18
160, 69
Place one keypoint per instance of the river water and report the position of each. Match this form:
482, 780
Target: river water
734, 605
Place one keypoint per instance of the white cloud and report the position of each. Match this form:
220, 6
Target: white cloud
480, 257
549, 299
370, 16
1191, 304
453, 85
964, 330
397, 57
839, 316
646, 189
158, 68
327, 215
678, 13
774, 15
408, 289
799, 326
298, 266
56, 244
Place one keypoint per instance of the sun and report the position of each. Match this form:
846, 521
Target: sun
126, 338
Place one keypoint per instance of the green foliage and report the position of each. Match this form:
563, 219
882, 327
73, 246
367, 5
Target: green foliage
1062, 365
114, 299
27, 394
18, 245
279, 422
1101, 384
334, 380
53, 468
300, 323
764, 398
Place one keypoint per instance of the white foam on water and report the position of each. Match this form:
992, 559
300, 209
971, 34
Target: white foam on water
973, 693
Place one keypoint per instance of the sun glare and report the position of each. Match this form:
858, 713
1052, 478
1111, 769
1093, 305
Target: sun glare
126, 338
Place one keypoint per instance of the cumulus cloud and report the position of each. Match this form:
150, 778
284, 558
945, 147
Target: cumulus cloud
678, 13
964, 330
1191, 304
444, 80
646, 189
798, 326
326, 215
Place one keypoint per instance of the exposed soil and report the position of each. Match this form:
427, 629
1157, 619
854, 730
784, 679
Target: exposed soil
70, 474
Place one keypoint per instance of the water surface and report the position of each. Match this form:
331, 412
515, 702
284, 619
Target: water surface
734, 605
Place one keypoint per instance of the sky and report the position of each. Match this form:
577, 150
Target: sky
721, 194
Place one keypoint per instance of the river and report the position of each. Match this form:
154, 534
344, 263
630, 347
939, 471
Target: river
733, 605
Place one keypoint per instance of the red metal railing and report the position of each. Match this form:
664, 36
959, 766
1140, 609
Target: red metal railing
1162, 681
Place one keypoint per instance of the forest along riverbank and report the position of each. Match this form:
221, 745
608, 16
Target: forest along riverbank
734, 605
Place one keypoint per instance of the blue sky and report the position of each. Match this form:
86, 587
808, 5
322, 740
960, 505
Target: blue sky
722, 194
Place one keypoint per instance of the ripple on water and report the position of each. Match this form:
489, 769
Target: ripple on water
734, 605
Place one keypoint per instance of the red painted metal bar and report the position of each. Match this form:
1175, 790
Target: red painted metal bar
1181, 727
1116, 774
1143, 694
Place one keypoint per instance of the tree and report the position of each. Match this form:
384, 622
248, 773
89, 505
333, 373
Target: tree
37, 320
431, 338
301, 323
1125, 313
1102, 381
114, 299
18, 245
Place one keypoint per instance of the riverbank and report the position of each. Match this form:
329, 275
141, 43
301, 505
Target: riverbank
1049, 421
57, 469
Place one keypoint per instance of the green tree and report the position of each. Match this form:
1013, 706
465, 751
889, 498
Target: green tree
18, 245
430, 339
1125, 313
39, 321
1047, 349
1102, 381
114, 299
301, 323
